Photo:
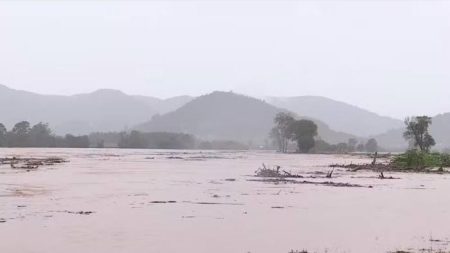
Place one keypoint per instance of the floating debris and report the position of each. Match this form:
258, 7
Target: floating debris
82, 212
163, 202
327, 183
275, 172
175, 157
214, 203
75, 212
30, 163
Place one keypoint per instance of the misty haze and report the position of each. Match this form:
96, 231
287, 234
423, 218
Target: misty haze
224, 126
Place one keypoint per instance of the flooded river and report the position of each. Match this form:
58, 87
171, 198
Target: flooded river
190, 201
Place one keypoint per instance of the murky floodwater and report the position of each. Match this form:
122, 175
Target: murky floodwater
191, 201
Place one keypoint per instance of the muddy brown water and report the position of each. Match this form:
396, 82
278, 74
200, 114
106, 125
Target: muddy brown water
202, 201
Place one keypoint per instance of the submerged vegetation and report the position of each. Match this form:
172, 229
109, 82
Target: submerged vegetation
415, 159
277, 175
30, 163
419, 156
41, 135
417, 133
287, 129
304, 133
275, 172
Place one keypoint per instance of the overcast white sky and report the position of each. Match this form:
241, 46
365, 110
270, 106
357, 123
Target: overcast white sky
389, 57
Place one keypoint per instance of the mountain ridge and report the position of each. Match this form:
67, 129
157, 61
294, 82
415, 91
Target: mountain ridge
394, 140
113, 110
101, 110
338, 115
230, 116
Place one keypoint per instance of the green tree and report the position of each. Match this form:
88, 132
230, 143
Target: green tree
281, 133
303, 132
3, 134
20, 134
417, 132
372, 145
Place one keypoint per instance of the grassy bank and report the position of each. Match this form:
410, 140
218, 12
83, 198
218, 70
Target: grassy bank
414, 159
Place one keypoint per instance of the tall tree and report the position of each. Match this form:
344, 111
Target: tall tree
20, 134
417, 132
281, 133
303, 132
3, 133
41, 136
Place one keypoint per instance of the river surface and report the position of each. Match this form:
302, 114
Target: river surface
111, 201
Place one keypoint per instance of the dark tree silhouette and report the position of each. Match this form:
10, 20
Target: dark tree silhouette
303, 132
3, 135
41, 136
20, 134
372, 145
72, 141
281, 133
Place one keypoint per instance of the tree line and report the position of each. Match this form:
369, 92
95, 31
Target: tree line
352, 145
303, 133
23, 134
159, 140
39, 135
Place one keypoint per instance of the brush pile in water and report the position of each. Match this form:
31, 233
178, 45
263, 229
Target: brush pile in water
30, 163
275, 172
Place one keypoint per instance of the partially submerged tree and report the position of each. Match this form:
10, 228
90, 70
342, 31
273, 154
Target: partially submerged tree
288, 129
372, 145
303, 132
41, 136
71, 141
20, 134
417, 133
281, 133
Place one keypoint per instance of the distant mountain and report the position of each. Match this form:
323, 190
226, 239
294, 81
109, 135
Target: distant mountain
440, 130
338, 115
163, 106
226, 115
102, 110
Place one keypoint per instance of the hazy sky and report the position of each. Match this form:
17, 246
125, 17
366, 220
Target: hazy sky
390, 57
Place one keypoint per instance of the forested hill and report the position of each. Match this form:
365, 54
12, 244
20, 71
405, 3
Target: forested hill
102, 110
226, 115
